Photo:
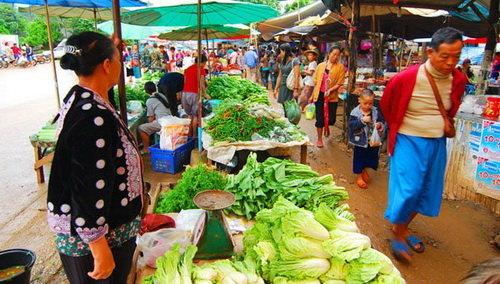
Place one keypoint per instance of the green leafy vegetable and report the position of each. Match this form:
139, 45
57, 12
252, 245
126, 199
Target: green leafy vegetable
227, 87
331, 220
370, 264
193, 181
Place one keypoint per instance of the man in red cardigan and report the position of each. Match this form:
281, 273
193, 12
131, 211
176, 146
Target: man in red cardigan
416, 136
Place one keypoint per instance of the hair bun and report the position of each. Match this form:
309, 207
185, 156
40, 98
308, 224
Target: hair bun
69, 61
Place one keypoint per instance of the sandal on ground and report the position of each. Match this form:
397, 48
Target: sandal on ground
400, 251
319, 144
415, 244
362, 184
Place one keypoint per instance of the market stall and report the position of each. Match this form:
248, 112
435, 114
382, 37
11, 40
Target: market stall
473, 171
294, 229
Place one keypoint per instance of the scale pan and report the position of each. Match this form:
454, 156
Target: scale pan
214, 199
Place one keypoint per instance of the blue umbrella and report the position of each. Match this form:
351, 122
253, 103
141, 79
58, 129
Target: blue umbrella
70, 3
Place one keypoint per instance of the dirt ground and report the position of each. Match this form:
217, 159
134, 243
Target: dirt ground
461, 237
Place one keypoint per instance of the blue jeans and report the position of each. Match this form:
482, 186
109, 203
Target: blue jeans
273, 79
265, 75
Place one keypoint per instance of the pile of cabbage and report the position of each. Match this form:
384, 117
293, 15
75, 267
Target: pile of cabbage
292, 245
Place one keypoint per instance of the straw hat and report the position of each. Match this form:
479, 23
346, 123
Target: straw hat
311, 51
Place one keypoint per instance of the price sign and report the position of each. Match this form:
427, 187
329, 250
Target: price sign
490, 140
488, 177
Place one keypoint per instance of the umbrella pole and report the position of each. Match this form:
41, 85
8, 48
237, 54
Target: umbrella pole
51, 46
200, 103
95, 19
121, 79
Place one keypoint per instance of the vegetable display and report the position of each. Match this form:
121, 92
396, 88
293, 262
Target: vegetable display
289, 245
228, 87
258, 185
234, 122
174, 268
193, 181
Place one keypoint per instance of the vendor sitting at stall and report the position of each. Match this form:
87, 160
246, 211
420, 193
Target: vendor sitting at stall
157, 106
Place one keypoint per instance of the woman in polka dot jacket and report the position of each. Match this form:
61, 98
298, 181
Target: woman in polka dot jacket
96, 187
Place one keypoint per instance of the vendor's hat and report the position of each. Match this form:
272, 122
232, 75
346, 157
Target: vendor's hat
466, 60
311, 51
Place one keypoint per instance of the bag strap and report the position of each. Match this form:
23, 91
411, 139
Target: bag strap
162, 100
436, 94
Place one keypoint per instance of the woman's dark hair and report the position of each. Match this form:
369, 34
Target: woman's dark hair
287, 48
171, 97
445, 35
86, 51
150, 87
333, 48
203, 59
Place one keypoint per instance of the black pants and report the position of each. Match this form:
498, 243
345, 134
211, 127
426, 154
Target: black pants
320, 114
76, 268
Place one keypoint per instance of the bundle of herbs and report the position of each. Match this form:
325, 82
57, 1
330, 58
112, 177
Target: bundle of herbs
226, 87
193, 180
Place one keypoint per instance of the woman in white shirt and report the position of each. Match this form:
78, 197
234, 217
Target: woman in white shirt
305, 96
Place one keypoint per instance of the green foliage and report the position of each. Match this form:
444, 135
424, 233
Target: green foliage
297, 4
78, 25
38, 35
271, 3
11, 21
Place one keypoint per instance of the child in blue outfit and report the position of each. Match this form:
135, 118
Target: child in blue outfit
363, 120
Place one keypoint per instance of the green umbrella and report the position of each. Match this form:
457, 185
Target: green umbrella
209, 32
133, 31
213, 12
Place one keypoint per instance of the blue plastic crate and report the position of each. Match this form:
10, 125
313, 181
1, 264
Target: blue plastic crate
171, 161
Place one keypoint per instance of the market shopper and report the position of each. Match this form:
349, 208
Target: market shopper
467, 70
305, 96
328, 78
391, 61
264, 71
251, 61
290, 66
157, 106
417, 144
135, 57
190, 98
171, 85
156, 58
273, 70
364, 121
146, 59
127, 58
96, 185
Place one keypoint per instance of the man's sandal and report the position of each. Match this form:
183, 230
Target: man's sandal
400, 251
415, 244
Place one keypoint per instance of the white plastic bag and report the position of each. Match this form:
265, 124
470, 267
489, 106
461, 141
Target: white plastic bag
155, 244
174, 132
375, 139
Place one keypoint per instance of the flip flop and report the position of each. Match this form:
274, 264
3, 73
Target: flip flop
319, 144
399, 249
413, 241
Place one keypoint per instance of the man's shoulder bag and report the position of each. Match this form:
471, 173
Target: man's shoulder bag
449, 122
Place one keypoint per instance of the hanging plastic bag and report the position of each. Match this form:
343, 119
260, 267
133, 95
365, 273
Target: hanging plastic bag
292, 111
375, 139
174, 132
310, 111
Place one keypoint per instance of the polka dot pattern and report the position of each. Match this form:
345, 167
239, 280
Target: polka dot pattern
122, 187
100, 143
99, 204
87, 106
98, 121
119, 153
50, 205
101, 107
124, 202
65, 208
100, 221
80, 221
86, 95
100, 164
120, 170
100, 184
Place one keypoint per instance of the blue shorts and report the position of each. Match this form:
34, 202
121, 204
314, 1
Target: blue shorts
416, 178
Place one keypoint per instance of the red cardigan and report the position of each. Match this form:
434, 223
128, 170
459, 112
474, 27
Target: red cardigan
397, 95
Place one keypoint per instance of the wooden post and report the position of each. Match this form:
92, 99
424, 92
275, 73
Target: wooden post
121, 80
53, 59
351, 75
484, 73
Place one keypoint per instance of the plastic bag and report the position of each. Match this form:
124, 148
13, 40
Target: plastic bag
292, 111
206, 108
134, 107
155, 244
310, 111
375, 139
174, 132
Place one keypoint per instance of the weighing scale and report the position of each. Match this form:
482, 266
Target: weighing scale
211, 234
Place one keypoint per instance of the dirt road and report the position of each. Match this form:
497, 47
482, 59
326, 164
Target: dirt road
456, 240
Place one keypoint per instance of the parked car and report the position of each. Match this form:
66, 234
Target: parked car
58, 50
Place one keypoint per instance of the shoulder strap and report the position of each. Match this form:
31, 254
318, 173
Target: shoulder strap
436, 94
162, 100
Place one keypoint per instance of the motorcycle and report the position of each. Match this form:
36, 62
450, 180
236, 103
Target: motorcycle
41, 58
4, 62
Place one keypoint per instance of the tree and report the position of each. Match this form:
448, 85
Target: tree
38, 35
297, 4
271, 3
12, 21
79, 25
